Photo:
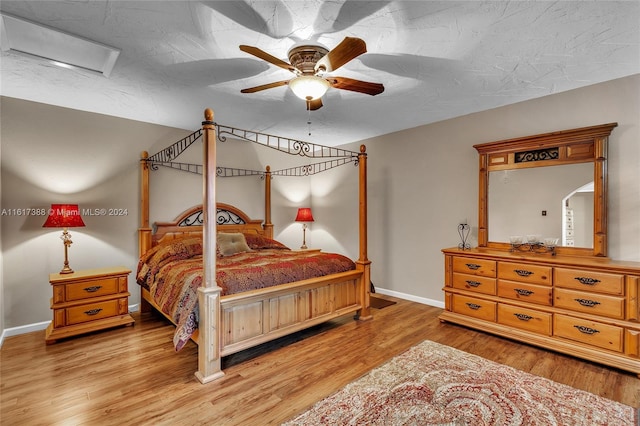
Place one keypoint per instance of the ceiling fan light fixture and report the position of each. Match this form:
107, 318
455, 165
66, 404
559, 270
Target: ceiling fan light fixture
309, 87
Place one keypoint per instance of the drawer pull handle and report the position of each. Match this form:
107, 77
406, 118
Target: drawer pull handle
93, 311
523, 272
523, 292
92, 289
473, 266
473, 283
474, 306
586, 330
587, 280
586, 302
523, 317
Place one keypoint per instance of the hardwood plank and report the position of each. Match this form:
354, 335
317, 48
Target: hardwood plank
133, 375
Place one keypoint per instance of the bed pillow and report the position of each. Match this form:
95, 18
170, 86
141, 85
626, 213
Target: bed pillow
168, 251
229, 244
260, 242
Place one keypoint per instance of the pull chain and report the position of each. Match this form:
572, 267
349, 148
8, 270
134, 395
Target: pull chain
309, 114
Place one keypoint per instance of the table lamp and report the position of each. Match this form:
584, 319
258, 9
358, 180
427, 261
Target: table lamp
64, 216
304, 215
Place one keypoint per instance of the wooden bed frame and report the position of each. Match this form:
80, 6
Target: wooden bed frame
232, 323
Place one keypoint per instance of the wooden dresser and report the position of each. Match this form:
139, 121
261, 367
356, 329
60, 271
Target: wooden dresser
89, 300
587, 307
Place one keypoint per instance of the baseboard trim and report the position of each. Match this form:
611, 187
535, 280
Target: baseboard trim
423, 300
29, 328
23, 329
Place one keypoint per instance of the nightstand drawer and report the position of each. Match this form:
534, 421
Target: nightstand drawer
525, 319
92, 311
93, 288
474, 283
592, 303
477, 308
539, 294
593, 333
465, 265
600, 282
535, 274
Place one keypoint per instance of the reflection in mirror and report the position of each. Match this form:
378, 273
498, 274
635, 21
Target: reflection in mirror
577, 214
534, 201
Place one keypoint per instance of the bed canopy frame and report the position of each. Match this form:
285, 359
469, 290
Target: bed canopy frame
210, 340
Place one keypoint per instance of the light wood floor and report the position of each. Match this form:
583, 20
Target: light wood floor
131, 375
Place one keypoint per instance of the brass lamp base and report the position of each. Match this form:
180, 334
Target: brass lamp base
66, 239
66, 270
304, 237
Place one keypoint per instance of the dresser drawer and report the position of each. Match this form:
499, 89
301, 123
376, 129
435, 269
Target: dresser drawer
485, 268
600, 282
590, 332
525, 319
534, 274
474, 283
93, 288
592, 303
477, 308
92, 311
532, 293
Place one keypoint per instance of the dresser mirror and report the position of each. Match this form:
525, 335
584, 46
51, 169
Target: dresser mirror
553, 203
546, 187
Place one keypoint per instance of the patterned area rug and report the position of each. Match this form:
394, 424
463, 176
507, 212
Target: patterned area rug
433, 384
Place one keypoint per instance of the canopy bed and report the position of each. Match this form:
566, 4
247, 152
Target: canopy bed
214, 243
540, 289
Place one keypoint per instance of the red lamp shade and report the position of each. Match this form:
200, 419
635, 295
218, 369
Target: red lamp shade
304, 215
63, 216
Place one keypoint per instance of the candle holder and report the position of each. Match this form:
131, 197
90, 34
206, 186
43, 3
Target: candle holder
464, 230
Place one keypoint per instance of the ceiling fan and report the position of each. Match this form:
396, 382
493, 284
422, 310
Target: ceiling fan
311, 65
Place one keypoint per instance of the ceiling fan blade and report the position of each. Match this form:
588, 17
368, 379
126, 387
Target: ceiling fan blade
267, 57
345, 83
348, 49
314, 104
265, 86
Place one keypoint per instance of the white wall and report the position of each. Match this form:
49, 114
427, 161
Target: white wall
424, 181
57, 155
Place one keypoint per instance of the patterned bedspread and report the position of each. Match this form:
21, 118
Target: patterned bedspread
172, 272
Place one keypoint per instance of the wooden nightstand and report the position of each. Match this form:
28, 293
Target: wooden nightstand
89, 300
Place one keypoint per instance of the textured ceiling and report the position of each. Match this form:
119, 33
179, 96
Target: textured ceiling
437, 60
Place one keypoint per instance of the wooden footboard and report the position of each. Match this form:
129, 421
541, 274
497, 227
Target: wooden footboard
251, 318
254, 317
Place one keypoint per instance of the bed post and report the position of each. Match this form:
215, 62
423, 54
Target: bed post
363, 263
144, 232
268, 226
209, 363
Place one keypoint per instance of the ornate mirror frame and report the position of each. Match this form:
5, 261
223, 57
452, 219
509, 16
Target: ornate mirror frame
586, 144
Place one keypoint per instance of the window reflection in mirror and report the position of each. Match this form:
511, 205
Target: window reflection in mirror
534, 201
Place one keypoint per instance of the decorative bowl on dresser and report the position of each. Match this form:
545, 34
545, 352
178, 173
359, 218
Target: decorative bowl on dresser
572, 300
88, 300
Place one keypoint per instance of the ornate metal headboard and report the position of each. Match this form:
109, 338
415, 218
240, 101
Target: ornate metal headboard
190, 222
